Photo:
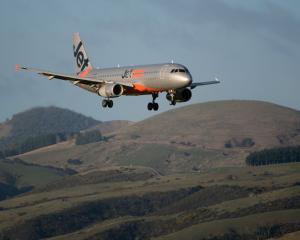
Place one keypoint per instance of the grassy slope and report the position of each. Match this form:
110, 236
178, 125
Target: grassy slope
5, 129
110, 127
241, 225
211, 124
187, 138
35, 176
291, 236
24, 208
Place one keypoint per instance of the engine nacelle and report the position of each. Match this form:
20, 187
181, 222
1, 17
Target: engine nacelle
111, 90
182, 95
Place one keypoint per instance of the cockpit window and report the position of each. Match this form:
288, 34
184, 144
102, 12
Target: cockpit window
178, 70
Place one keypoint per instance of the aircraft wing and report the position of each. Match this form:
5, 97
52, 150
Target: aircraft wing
73, 78
196, 84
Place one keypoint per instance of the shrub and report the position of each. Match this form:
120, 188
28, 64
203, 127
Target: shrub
88, 137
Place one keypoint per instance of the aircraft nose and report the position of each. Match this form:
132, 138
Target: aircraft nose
186, 80
181, 80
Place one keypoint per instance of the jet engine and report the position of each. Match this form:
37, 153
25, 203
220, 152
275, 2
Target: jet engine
182, 95
111, 90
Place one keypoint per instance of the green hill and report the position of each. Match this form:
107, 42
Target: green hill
44, 126
178, 175
213, 124
46, 120
192, 138
259, 203
18, 177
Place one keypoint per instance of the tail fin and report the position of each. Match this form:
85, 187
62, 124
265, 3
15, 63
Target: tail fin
82, 64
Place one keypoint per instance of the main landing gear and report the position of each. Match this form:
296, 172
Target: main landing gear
153, 105
107, 103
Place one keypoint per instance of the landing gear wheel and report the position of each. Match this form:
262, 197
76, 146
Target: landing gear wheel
107, 103
153, 105
104, 103
110, 103
150, 106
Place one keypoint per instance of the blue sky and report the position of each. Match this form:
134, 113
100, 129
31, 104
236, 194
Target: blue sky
252, 46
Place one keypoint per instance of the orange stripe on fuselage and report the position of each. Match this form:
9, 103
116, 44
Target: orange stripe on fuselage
137, 73
85, 72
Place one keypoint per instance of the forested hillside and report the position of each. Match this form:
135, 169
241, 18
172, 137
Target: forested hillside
274, 156
40, 127
41, 121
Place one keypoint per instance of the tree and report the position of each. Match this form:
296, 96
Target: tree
88, 137
274, 156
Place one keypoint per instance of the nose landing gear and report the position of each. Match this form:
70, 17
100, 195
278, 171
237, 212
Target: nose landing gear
171, 98
107, 103
153, 105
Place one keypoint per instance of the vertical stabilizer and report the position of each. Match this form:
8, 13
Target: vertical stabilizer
82, 63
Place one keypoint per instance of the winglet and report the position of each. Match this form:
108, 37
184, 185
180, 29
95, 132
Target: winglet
17, 67
217, 80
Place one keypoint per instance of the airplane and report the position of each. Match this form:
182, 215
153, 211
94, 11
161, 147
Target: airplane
172, 78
